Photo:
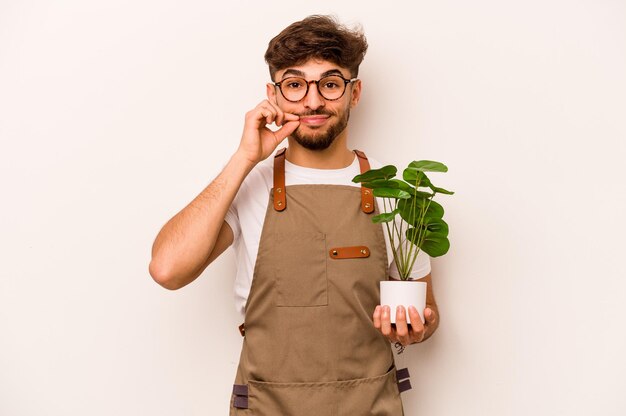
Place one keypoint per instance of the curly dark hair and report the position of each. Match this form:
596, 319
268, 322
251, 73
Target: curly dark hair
317, 37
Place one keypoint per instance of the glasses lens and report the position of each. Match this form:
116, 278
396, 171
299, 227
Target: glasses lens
293, 89
332, 87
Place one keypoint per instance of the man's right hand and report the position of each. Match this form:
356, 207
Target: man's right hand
258, 141
198, 234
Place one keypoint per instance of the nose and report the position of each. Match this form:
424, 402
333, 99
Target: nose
313, 99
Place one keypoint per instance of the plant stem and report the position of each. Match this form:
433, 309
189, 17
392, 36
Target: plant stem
390, 234
423, 236
401, 263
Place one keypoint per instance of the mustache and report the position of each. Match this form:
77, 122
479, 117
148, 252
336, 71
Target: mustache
316, 113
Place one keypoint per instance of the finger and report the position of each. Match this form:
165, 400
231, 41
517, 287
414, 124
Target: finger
385, 324
263, 115
280, 115
290, 116
415, 316
271, 116
267, 111
376, 317
272, 100
417, 328
256, 117
288, 128
430, 316
402, 330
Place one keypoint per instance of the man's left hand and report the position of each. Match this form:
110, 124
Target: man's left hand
402, 332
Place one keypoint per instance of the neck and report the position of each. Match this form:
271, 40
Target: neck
336, 156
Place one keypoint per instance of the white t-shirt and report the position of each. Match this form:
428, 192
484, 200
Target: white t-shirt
247, 214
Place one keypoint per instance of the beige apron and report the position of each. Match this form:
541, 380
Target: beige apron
310, 348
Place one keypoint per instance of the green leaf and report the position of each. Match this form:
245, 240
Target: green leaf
441, 190
416, 178
435, 244
412, 235
428, 166
412, 214
424, 195
391, 183
386, 172
436, 225
379, 183
391, 193
408, 214
411, 209
400, 184
385, 217
435, 210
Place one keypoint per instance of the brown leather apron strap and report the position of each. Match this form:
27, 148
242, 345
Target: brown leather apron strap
280, 202
404, 383
367, 198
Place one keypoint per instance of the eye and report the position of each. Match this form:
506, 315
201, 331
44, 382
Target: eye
293, 84
332, 83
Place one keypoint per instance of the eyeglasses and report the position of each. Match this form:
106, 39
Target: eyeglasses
331, 88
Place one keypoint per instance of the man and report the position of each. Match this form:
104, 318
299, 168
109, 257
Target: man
309, 256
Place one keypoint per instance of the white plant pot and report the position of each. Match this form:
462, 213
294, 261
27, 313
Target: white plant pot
405, 293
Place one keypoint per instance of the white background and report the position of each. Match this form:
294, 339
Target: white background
114, 115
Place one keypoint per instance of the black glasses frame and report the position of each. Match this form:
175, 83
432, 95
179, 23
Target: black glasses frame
317, 84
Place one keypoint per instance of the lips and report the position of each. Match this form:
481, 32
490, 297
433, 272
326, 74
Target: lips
315, 120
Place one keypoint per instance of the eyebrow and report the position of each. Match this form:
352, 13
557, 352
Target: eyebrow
298, 73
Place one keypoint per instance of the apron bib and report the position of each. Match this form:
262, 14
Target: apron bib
310, 348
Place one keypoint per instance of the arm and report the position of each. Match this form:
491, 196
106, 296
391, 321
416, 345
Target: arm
198, 234
417, 332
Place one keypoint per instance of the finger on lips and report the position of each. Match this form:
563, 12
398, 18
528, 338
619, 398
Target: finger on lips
271, 112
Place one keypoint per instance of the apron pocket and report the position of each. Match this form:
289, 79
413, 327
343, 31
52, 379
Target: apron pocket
300, 275
374, 396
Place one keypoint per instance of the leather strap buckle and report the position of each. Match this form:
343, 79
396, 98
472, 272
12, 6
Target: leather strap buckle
280, 201
367, 196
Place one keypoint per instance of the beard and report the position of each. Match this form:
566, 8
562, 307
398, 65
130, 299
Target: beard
321, 140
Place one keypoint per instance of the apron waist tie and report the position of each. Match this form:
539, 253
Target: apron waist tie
241, 396
404, 383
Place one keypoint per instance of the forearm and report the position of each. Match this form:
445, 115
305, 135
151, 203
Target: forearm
182, 247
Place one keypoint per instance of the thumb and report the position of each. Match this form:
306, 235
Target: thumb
287, 128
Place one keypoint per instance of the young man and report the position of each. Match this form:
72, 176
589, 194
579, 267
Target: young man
309, 256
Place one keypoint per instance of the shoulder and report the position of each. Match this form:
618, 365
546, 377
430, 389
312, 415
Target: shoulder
374, 162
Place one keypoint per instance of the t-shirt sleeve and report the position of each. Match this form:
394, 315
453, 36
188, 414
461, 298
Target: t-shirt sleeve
233, 220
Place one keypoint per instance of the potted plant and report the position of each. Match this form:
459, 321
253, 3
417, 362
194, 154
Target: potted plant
421, 226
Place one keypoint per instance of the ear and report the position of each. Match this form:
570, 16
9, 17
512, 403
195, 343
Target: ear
356, 93
270, 90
